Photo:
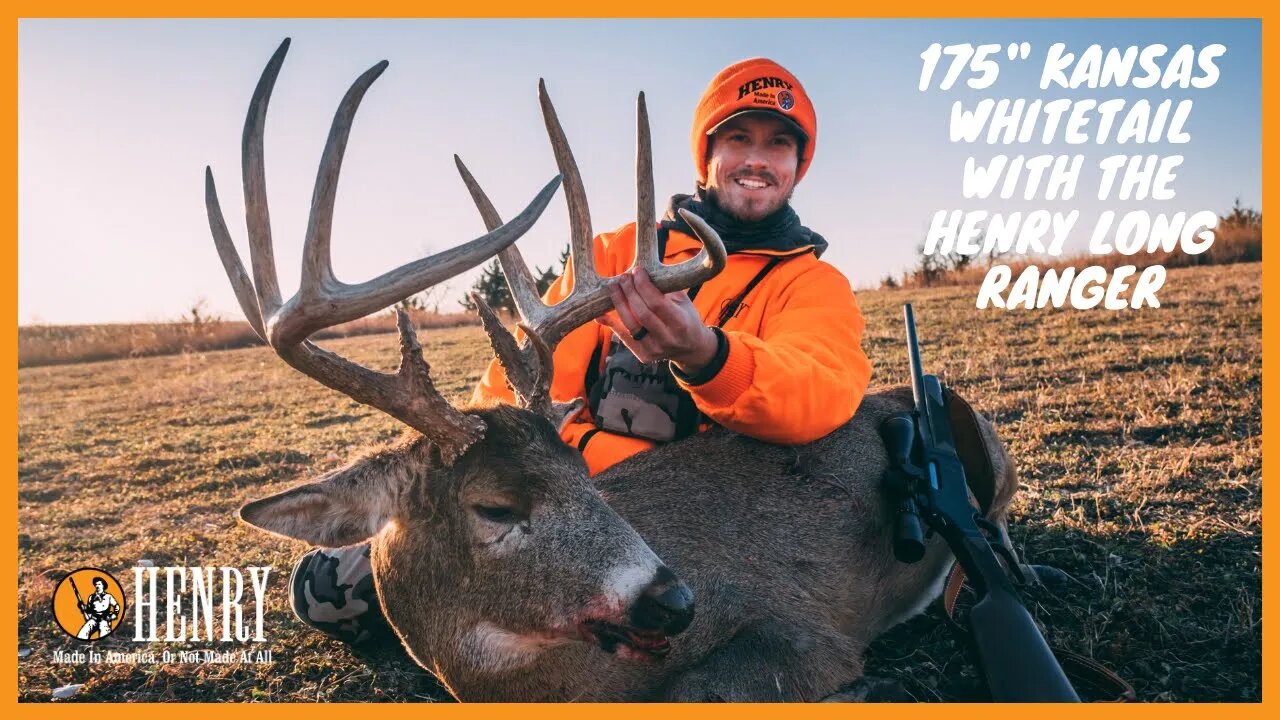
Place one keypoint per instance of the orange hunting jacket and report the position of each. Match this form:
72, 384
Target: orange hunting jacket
795, 370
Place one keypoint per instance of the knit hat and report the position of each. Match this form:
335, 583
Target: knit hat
753, 86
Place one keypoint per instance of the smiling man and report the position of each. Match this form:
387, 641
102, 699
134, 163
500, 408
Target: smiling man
770, 347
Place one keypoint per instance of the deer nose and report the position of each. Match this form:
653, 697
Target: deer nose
666, 604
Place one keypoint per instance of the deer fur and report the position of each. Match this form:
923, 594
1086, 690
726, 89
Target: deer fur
787, 551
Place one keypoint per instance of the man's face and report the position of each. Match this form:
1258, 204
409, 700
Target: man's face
752, 166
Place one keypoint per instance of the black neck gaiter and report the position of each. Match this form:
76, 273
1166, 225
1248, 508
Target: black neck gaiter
780, 231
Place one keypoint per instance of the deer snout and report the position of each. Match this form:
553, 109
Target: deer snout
665, 605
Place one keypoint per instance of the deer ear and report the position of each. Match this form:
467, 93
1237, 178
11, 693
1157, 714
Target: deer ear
345, 507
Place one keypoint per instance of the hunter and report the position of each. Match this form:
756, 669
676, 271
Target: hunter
770, 347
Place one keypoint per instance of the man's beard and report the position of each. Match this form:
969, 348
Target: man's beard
749, 216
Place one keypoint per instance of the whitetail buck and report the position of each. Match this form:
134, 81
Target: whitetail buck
500, 564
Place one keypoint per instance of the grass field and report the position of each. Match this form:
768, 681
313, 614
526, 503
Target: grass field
1138, 437
70, 344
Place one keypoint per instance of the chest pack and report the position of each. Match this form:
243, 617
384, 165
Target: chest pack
643, 400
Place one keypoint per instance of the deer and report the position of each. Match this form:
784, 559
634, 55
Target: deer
507, 571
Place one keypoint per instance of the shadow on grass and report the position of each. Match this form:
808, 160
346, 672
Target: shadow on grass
1178, 622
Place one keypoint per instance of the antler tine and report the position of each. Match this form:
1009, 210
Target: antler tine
524, 289
590, 298
585, 277
551, 324
240, 282
409, 395
452, 431
528, 365
253, 169
646, 216
706, 264
317, 265
323, 301
344, 302
526, 374
668, 278
546, 361
559, 413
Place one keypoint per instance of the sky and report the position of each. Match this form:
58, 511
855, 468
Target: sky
117, 120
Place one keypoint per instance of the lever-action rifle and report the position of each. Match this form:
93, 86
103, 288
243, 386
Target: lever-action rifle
80, 603
931, 489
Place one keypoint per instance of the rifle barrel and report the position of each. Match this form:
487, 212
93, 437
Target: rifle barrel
913, 354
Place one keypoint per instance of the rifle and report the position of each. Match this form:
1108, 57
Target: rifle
930, 489
79, 600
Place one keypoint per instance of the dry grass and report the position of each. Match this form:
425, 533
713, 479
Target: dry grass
1138, 438
65, 344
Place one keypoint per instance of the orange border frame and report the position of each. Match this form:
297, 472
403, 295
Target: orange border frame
655, 8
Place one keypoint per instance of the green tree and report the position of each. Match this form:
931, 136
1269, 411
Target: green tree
549, 276
492, 287
545, 278
492, 284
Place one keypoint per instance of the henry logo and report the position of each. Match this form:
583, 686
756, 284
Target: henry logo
786, 100
88, 604
763, 83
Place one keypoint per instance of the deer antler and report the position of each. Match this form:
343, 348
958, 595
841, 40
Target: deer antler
528, 365
323, 301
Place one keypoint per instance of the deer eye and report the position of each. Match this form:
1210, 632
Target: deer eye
496, 514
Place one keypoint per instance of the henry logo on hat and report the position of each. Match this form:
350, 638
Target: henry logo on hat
762, 83
752, 86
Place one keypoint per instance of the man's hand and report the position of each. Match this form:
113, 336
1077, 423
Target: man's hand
668, 325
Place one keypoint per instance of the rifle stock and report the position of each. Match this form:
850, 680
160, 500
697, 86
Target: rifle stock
1016, 660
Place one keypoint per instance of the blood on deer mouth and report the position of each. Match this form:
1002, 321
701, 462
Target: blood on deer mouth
627, 642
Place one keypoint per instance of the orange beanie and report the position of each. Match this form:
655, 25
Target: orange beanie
753, 85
